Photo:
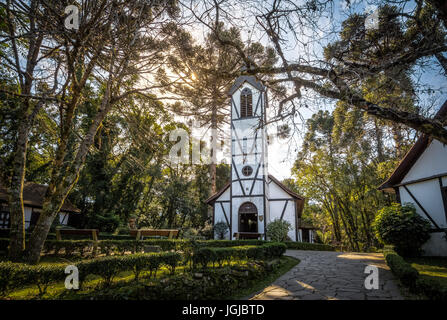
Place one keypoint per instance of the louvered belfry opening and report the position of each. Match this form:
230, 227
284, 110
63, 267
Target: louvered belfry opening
246, 103
248, 217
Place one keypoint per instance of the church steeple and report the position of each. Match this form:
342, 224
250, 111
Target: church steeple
249, 188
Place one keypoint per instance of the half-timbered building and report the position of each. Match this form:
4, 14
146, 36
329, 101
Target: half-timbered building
421, 179
253, 198
33, 195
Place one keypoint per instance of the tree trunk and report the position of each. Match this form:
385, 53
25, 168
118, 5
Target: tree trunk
17, 212
379, 140
15, 200
398, 139
62, 181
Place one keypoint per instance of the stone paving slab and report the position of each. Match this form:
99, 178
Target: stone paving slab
324, 275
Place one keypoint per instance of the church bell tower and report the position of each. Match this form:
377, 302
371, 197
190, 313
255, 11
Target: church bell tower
249, 173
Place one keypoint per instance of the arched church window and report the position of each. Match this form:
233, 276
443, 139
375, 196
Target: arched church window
246, 103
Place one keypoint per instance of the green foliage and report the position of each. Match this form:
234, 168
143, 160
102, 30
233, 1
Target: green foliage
411, 278
17, 275
210, 255
403, 270
308, 246
403, 228
109, 247
219, 283
277, 230
221, 229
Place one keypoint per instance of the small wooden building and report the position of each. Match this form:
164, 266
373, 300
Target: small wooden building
421, 179
33, 194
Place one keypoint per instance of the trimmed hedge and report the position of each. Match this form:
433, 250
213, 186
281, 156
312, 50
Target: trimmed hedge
17, 275
109, 247
205, 256
309, 246
411, 278
401, 269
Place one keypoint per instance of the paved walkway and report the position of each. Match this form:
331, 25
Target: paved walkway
325, 275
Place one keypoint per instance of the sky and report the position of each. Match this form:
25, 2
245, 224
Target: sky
282, 153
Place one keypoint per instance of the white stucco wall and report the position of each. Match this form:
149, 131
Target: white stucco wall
28, 212
432, 162
276, 208
219, 215
428, 193
63, 218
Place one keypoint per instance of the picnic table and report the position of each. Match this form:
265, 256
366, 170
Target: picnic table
138, 233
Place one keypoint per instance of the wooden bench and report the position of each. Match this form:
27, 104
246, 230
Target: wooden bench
247, 235
93, 232
170, 233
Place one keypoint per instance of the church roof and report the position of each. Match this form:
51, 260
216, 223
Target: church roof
242, 79
294, 195
412, 155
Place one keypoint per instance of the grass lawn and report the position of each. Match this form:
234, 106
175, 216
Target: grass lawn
286, 264
431, 267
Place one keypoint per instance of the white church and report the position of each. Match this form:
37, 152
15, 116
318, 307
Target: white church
254, 198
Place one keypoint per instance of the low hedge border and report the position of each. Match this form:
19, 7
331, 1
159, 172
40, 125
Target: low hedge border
411, 278
17, 275
210, 255
108, 247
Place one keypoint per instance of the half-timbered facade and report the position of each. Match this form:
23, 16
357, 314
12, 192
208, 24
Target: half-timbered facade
33, 194
253, 198
421, 179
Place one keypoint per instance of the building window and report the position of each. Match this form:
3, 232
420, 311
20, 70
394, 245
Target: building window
247, 171
4, 217
246, 103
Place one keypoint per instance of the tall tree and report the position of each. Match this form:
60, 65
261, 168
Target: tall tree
194, 75
106, 50
419, 35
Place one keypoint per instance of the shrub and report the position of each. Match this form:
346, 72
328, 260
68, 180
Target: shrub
403, 228
220, 230
411, 278
309, 246
16, 275
278, 230
401, 269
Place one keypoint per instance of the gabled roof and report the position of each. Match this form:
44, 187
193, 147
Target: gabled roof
211, 199
282, 186
294, 195
412, 155
33, 194
250, 79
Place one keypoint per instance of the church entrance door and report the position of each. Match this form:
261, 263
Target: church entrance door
248, 217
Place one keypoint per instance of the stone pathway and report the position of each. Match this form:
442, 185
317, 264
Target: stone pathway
325, 275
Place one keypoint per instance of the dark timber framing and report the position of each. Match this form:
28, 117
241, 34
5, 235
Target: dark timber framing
259, 153
444, 196
225, 214
422, 208
284, 209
